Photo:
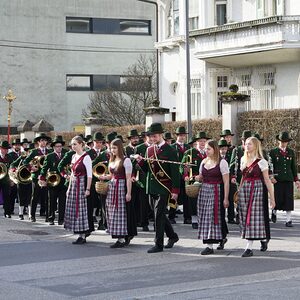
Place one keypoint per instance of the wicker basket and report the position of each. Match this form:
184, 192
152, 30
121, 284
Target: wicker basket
192, 190
101, 187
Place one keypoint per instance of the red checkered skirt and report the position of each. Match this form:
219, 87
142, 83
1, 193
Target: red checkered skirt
76, 221
207, 229
255, 229
116, 216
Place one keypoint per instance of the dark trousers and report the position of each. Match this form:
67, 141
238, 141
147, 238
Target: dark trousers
193, 206
40, 195
99, 202
137, 204
162, 223
57, 193
6, 198
13, 196
90, 213
143, 198
24, 194
230, 209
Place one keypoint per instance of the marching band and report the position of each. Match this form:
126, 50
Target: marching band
125, 187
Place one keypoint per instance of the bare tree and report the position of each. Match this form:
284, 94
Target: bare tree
124, 106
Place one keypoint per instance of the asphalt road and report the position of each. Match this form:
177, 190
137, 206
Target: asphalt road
38, 261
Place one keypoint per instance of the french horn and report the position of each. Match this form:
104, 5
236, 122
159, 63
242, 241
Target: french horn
3, 170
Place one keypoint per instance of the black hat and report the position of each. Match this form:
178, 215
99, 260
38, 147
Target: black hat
181, 130
42, 136
25, 141
30, 147
155, 128
16, 142
258, 136
202, 135
167, 135
132, 133
191, 140
98, 136
226, 132
246, 134
58, 140
110, 137
143, 134
223, 143
119, 136
5, 145
283, 137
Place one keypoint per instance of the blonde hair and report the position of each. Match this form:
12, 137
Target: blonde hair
79, 140
214, 144
257, 149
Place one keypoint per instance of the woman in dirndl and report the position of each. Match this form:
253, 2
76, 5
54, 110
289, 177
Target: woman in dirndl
119, 193
253, 197
213, 198
76, 214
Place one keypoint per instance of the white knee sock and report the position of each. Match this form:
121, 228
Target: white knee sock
21, 208
29, 211
121, 240
288, 216
210, 246
194, 219
82, 235
249, 245
274, 211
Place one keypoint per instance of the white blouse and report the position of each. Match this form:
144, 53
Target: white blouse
127, 165
263, 164
223, 167
87, 163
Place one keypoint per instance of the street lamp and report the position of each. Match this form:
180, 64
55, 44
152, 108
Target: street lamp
157, 53
10, 97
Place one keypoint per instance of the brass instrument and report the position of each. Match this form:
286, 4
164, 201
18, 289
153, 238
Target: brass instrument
38, 161
21, 176
99, 169
190, 160
192, 187
53, 179
3, 170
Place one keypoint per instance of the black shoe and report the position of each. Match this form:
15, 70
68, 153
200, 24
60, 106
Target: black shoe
117, 244
273, 217
264, 246
47, 220
247, 253
51, 223
195, 225
155, 249
172, 221
221, 245
207, 251
231, 222
7, 216
146, 228
187, 221
32, 219
21, 217
171, 242
101, 227
127, 240
289, 224
79, 241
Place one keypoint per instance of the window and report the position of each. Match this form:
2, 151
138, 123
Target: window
196, 98
135, 83
222, 87
260, 8
221, 12
222, 81
78, 25
193, 23
268, 78
176, 17
104, 82
78, 82
108, 26
246, 80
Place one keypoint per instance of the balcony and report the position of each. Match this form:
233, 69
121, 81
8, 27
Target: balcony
262, 41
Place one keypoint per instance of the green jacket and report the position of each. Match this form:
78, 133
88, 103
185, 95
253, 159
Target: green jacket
30, 157
7, 160
162, 178
235, 163
197, 158
284, 165
129, 150
179, 150
141, 150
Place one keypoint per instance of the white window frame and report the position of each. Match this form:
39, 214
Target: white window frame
220, 2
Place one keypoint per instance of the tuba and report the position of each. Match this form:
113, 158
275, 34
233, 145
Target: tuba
99, 169
21, 176
3, 170
38, 161
53, 179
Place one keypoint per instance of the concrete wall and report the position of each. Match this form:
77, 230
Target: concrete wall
37, 53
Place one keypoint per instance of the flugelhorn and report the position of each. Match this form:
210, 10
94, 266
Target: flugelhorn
38, 161
21, 176
3, 170
53, 179
99, 169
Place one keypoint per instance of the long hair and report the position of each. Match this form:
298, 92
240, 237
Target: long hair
214, 144
121, 156
257, 149
78, 139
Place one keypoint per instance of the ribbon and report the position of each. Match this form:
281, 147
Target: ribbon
116, 190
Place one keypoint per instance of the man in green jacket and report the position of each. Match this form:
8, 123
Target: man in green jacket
284, 166
162, 184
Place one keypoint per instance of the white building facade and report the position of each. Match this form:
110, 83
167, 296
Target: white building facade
252, 43
54, 54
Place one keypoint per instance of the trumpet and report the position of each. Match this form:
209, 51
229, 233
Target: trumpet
21, 176
3, 170
53, 179
38, 161
99, 169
